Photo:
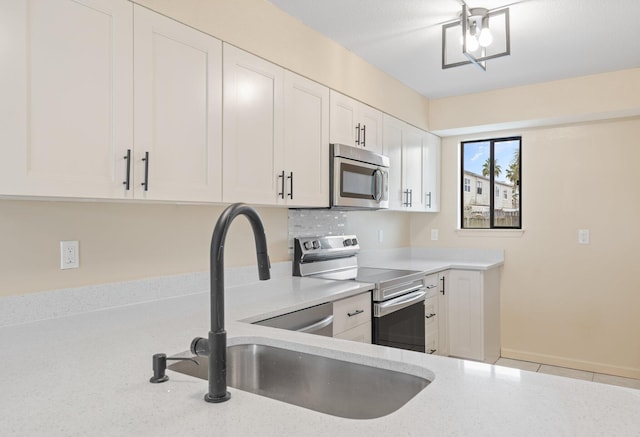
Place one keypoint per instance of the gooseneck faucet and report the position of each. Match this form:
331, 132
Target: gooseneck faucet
216, 345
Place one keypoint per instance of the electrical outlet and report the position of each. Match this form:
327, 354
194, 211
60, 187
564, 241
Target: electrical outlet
434, 234
69, 255
380, 236
583, 236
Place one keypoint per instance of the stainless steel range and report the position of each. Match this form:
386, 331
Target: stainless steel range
398, 296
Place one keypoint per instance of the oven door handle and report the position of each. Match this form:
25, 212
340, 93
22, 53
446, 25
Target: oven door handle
390, 306
317, 325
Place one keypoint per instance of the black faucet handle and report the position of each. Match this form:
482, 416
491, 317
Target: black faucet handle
160, 365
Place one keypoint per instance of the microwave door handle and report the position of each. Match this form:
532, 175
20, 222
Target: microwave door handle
377, 187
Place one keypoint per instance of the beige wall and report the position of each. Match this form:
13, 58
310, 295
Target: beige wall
588, 98
120, 241
563, 303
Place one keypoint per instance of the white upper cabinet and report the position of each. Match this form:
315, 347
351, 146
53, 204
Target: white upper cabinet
178, 111
431, 145
392, 147
253, 130
306, 143
354, 123
72, 81
414, 176
66, 116
276, 134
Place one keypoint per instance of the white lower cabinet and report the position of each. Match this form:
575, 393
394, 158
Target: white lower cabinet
431, 314
473, 300
352, 318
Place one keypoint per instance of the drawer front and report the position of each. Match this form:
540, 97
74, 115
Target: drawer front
351, 312
432, 283
361, 333
431, 314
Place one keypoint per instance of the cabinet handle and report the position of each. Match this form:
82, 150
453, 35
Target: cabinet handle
429, 287
145, 184
127, 180
281, 177
409, 194
358, 133
431, 351
406, 194
290, 177
364, 135
429, 316
442, 291
428, 195
355, 313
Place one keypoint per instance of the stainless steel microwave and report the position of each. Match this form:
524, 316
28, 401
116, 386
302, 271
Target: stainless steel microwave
359, 178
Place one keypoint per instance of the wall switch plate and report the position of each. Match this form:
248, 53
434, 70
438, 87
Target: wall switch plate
583, 236
69, 255
434, 234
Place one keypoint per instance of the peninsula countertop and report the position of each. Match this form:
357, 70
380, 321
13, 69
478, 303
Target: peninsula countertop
88, 372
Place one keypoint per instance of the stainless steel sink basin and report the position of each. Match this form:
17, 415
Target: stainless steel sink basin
328, 385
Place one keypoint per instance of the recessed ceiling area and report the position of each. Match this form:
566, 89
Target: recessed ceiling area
550, 39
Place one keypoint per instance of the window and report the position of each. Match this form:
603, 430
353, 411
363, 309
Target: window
497, 163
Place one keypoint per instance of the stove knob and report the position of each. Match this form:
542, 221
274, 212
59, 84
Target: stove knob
354, 242
347, 242
307, 245
316, 244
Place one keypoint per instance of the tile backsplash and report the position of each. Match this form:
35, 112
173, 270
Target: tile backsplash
313, 222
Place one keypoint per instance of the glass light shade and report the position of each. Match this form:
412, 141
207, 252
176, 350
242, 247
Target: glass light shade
472, 43
485, 38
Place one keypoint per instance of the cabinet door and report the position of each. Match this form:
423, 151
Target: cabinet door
178, 111
306, 150
252, 127
443, 313
343, 119
412, 167
370, 120
66, 106
466, 324
392, 147
431, 171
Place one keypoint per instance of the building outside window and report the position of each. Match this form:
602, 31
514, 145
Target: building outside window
497, 163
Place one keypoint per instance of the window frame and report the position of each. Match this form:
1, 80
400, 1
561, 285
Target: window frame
492, 183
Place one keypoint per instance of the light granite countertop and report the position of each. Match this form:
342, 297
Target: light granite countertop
87, 372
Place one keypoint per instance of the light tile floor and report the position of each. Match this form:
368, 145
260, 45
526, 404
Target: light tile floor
569, 373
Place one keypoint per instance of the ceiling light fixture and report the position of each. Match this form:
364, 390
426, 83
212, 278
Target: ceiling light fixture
482, 34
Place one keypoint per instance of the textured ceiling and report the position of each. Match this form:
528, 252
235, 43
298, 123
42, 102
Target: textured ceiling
550, 39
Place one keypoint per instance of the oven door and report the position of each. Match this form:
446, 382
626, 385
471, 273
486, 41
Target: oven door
399, 322
358, 184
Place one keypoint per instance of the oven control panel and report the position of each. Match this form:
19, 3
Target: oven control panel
322, 248
331, 243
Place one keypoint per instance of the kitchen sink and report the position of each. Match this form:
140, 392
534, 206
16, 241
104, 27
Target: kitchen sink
323, 384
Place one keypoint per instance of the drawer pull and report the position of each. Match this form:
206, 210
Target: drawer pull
431, 351
430, 315
355, 313
429, 287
